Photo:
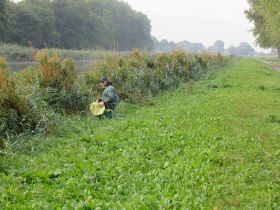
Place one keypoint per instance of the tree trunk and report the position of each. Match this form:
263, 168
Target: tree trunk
278, 51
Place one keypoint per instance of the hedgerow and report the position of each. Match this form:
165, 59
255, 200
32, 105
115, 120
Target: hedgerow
31, 99
141, 75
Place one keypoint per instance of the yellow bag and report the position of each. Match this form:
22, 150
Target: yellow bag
96, 109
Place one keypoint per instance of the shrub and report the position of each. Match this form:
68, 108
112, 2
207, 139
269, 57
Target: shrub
53, 73
141, 75
16, 115
29, 98
58, 83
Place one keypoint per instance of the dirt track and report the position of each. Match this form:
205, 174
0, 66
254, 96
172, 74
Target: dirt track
274, 65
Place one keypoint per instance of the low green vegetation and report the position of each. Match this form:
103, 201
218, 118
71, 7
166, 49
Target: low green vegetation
210, 144
31, 101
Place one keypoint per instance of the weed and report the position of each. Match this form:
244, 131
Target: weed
261, 87
272, 119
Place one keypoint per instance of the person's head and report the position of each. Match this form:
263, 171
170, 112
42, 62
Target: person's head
104, 81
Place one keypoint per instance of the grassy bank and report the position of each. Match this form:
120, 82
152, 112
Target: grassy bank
32, 100
14, 52
212, 144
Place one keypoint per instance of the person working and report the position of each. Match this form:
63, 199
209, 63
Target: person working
109, 98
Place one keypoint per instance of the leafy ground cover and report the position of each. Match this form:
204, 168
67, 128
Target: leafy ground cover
211, 144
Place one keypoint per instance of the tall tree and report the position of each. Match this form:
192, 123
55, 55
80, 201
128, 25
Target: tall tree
75, 24
266, 17
243, 49
35, 23
218, 47
3, 19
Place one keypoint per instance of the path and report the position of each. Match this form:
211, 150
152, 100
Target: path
275, 65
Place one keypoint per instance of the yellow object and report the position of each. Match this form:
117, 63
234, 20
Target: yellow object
96, 109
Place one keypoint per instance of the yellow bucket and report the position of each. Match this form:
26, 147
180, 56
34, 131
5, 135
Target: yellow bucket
96, 110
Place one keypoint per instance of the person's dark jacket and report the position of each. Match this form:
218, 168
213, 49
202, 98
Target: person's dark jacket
110, 97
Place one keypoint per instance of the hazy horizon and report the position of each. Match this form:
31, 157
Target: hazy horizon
203, 21
198, 21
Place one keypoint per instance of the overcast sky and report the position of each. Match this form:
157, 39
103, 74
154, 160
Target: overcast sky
202, 21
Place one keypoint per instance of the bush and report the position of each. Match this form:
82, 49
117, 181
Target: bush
16, 115
53, 73
58, 83
141, 75
31, 99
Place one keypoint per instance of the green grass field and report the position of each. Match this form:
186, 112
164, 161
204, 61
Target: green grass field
211, 144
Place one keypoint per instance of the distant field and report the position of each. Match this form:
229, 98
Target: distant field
19, 53
212, 144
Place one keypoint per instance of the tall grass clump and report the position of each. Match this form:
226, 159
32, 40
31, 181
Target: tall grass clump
53, 73
16, 52
58, 83
16, 114
35, 99
140, 75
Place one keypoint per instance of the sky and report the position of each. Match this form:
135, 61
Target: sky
203, 21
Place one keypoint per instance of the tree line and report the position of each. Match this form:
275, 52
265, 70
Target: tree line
243, 49
74, 24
